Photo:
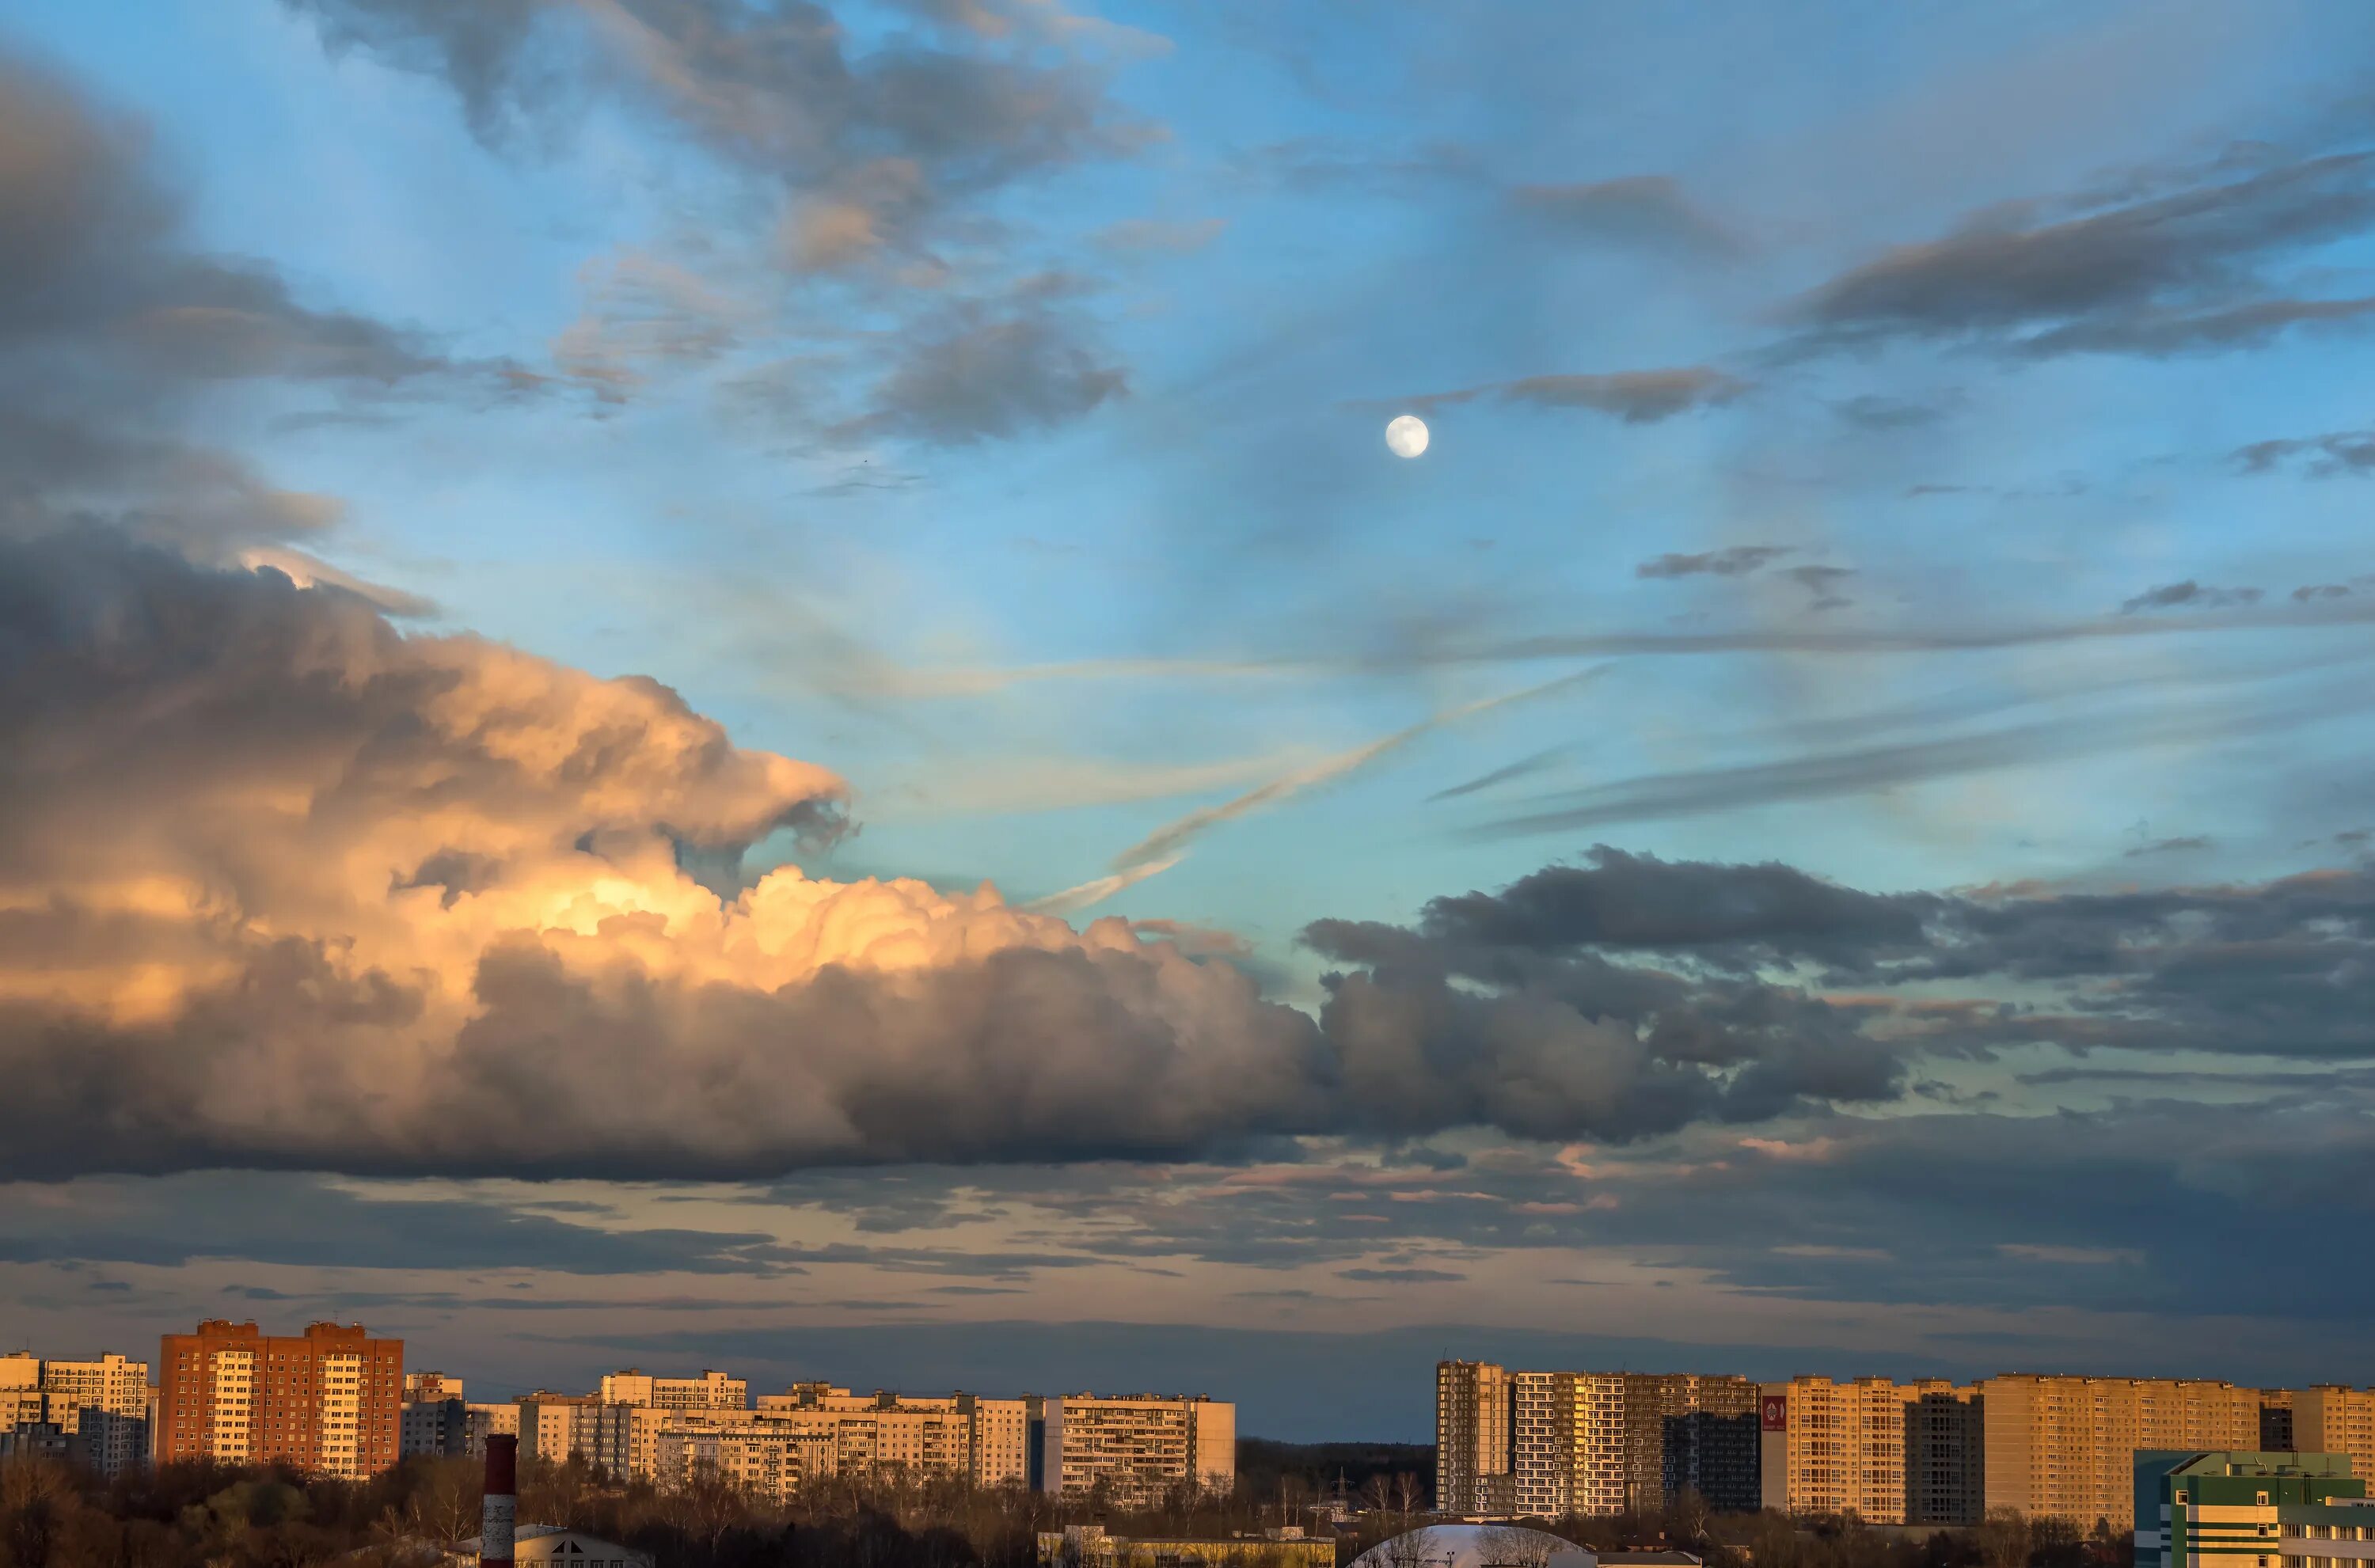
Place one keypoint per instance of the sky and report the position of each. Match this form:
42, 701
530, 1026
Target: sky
744, 683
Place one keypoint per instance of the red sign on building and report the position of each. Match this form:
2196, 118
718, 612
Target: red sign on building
1776, 1412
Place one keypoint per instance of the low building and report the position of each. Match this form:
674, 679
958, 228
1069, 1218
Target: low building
2251, 1509
1088, 1546
710, 1391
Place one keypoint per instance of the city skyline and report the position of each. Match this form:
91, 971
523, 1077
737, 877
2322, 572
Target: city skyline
754, 683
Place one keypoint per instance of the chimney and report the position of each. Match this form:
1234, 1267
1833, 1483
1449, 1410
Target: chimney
500, 1511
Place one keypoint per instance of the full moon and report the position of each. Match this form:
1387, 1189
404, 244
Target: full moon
1406, 436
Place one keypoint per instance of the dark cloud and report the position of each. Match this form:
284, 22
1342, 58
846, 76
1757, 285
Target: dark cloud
296, 1221
2190, 595
113, 329
1735, 561
1636, 398
2180, 270
2350, 453
1645, 210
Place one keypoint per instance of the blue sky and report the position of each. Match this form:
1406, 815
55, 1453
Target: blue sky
1916, 452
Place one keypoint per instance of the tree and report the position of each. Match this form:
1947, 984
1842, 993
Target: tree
1506, 1546
1688, 1516
1409, 1549
2004, 1539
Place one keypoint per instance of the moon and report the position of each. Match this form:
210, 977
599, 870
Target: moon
1406, 436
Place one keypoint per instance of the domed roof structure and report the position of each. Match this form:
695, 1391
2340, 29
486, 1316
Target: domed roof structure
1476, 1545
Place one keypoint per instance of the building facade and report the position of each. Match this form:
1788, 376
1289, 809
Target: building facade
2249, 1509
2331, 1419
100, 1408
710, 1391
2065, 1447
1138, 1449
1889, 1453
1596, 1442
326, 1401
1721, 1458
1473, 1429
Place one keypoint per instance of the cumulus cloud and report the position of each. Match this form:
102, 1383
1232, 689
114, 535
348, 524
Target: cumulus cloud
280, 887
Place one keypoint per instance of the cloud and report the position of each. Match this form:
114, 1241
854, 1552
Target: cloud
1879, 764
1142, 236
1735, 561
1520, 769
1637, 397
1169, 845
1401, 1276
984, 374
2163, 274
281, 888
2168, 846
114, 331
1645, 210
2190, 595
2350, 453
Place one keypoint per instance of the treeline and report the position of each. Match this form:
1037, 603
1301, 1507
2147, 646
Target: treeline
202, 1515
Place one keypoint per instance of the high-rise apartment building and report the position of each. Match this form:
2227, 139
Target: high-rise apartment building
327, 1400
710, 1391
998, 1450
102, 1406
1890, 1453
2065, 1447
2332, 1419
1580, 1442
1717, 1456
1135, 1449
1473, 1432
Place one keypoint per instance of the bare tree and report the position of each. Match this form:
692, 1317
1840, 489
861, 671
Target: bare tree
2004, 1539
1509, 1546
1688, 1516
1408, 1550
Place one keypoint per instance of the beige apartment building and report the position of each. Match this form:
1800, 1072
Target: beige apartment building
1137, 1449
710, 1391
2332, 1419
2065, 1447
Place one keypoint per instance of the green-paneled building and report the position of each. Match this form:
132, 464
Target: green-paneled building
2252, 1510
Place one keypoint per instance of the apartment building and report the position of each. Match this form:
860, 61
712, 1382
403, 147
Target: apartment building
997, 1449
1578, 1442
1473, 1429
326, 1401
98, 1408
2065, 1447
1839, 1449
2251, 1509
1135, 1449
1721, 1458
710, 1391
2332, 1419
